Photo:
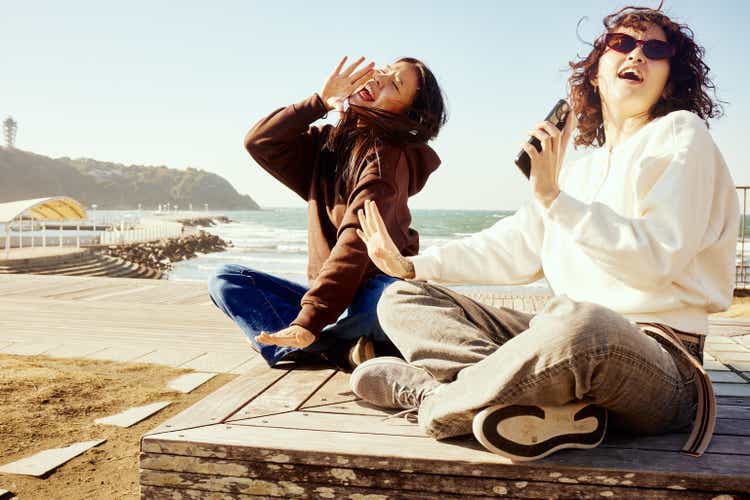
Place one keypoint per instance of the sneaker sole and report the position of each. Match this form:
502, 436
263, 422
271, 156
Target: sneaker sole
523, 433
363, 350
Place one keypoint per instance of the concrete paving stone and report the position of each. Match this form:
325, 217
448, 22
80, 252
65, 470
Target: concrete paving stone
132, 416
44, 461
188, 382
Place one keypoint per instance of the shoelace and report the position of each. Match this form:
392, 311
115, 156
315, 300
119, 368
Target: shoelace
410, 399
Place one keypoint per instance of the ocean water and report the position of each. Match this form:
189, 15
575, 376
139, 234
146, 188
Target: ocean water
275, 240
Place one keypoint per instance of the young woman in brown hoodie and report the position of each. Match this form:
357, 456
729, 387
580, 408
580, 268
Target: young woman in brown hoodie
378, 151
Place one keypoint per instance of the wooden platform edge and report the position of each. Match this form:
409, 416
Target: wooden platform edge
458, 457
293, 480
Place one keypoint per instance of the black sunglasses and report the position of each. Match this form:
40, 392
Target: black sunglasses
624, 44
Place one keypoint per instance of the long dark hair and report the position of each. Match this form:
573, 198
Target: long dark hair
362, 131
687, 87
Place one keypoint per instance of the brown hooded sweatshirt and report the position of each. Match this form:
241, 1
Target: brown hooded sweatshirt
291, 150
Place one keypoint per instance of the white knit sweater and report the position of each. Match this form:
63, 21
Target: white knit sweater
654, 239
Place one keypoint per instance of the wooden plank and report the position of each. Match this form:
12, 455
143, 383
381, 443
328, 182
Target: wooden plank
335, 391
168, 493
302, 491
30, 348
132, 416
398, 426
725, 376
729, 347
733, 400
347, 487
720, 444
189, 382
225, 401
121, 353
222, 362
295, 389
730, 357
741, 366
717, 339
406, 481
723, 389
120, 294
74, 350
460, 456
41, 463
733, 411
714, 365
357, 407
336, 423
170, 356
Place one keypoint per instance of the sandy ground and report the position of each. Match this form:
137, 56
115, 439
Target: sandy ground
52, 402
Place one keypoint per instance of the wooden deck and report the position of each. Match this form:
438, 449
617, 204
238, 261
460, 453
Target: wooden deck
301, 433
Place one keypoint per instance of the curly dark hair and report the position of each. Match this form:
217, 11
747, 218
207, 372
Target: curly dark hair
687, 87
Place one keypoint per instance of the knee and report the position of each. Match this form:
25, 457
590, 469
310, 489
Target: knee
585, 325
390, 308
222, 278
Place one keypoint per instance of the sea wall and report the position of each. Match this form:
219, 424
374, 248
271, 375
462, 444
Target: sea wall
161, 254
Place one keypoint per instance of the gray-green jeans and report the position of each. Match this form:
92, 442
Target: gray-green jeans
568, 351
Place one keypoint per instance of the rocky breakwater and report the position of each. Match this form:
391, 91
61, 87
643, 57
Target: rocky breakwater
161, 254
204, 221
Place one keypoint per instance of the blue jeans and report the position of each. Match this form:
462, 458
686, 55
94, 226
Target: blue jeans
257, 302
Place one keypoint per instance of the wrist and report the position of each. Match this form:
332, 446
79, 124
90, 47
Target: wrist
324, 101
548, 199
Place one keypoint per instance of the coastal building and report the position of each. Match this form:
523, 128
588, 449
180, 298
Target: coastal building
15, 216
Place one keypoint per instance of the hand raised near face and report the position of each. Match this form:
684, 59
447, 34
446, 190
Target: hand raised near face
342, 83
382, 250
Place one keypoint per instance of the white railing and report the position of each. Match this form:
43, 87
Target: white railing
25, 233
149, 230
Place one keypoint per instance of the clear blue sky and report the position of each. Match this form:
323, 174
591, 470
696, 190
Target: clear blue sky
179, 83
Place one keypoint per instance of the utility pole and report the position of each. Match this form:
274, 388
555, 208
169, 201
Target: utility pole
10, 126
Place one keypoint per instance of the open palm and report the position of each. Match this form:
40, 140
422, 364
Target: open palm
341, 84
380, 246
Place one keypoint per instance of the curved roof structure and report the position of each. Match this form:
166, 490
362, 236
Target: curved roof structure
57, 208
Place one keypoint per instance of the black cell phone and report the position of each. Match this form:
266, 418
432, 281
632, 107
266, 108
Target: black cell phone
557, 116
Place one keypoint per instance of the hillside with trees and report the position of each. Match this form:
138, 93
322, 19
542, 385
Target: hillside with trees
114, 186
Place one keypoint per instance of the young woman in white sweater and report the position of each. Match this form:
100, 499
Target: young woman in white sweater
637, 240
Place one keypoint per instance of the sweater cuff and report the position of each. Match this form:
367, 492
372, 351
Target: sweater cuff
425, 266
310, 319
566, 211
311, 108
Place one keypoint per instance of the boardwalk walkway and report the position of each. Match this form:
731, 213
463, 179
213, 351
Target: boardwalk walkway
301, 433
